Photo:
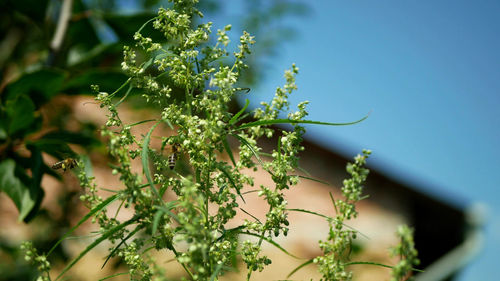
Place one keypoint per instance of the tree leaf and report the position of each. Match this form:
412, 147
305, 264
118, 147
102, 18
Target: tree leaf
36, 162
108, 79
40, 86
20, 112
17, 185
71, 137
54, 147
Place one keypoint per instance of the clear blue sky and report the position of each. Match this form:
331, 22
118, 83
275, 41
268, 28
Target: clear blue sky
429, 72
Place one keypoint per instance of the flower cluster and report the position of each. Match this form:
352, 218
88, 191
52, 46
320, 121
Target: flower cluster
31, 255
407, 253
337, 247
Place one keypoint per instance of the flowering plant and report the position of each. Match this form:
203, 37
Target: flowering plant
192, 83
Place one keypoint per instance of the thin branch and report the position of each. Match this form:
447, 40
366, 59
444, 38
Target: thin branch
62, 26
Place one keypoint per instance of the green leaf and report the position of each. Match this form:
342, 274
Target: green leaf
299, 267
81, 33
54, 147
228, 176
145, 160
108, 79
36, 162
367, 263
254, 217
309, 212
25, 163
156, 221
3, 128
140, 122
333, 202
377, 264
137, 229
270, 241
326, 217
168, 212
18, 186
40, 86
229, 232
95, 243
313, 179
92, 212
125, 96
216, 271
168, 206
71, 137
290, 121
252, 149
114, 275
228, 150
235, 117
20, 112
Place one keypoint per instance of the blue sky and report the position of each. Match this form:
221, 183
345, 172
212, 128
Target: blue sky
429, 73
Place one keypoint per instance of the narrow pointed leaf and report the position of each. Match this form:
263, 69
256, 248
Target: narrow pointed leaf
254, 217
310, 212
246, 143
313, 179
268, 240
145, 160
114, 275
124, 96
333, 202
216, 271
121, 243
92, 212
95, 243
377, 264
235, 117
299, 267
141, 122
228, 176
228, 150
290, 121
156, 221
169, 206
326, 217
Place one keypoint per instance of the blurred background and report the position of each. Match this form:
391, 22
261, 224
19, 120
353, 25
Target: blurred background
428, 74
